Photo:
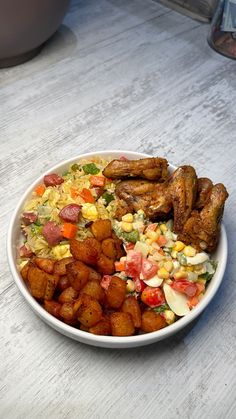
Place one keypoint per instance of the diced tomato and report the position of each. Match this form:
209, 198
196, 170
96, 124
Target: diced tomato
151, 227
139, 285
105, 282
74, 193
161, 240
129, 246
200, 288
185, 287
97, 180
133, 264
153, 297
149, 269
87, 195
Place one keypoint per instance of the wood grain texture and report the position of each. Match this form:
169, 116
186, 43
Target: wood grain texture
130, 75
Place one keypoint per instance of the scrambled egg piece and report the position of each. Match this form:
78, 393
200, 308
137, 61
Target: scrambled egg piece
61, 251
89, 211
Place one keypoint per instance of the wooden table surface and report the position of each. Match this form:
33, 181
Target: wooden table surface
130, 75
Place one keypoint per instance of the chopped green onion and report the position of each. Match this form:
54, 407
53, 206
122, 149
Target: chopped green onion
65, 173
162, 308
91, 169
108, 197
131, 237
35, 229
75, 167
37, 223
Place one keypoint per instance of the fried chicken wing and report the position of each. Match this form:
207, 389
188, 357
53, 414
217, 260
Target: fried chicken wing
153, 168
202, 228
204, 187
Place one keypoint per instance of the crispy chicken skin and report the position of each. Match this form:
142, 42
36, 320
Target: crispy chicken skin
204, 187
153, 168
202, 228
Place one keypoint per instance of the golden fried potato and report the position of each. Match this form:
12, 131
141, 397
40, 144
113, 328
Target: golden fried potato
60, 265
52, 307
51, 285
94, 275
121, 324
131, 306
94, 289
103, 327
66, 311
87, 251
24, 270
109, 248
88, 310
46, 264
78, 274
69, 295
105, 265
63, 283
115, 294
101, 229
120, 251
152, 321
37, 282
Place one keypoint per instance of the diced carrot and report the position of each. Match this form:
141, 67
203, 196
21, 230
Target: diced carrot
201, 288
87, 195
120, 265
97, 180
193, 301
161, 240
74, 193
151, 227
39, 190
69, 230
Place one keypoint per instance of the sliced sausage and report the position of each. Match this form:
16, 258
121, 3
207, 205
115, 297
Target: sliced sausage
24, 252
52, 180
52, 233
70, 213
29, 218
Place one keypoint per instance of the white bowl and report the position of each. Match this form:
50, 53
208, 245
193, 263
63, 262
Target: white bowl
106, 341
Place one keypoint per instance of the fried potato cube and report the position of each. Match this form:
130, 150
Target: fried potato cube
37, 280
121, 324
101, 229
87, 251
88, 310
94, 289
46, 264
103, 327
116, 292
152, 321
131, 306
109, 248
120, 251
60, 265
63, 283
105, 265
52, 307
24, 270
94, 275
67, 312
51, 285
78, 274
69, 295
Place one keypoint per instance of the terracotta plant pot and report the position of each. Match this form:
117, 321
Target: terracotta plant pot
25, 26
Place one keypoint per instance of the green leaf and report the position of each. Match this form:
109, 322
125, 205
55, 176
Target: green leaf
75, 167
90, 169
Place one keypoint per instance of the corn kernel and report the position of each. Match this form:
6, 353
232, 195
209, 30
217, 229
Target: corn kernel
168, 281
168, 265
169, 316
158, 230
128, 218
163, 273
179, 246
189, 268
127, 227
148, 241
151, 235
189, 251
180, 274
130, 286
163, 228
174, 254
